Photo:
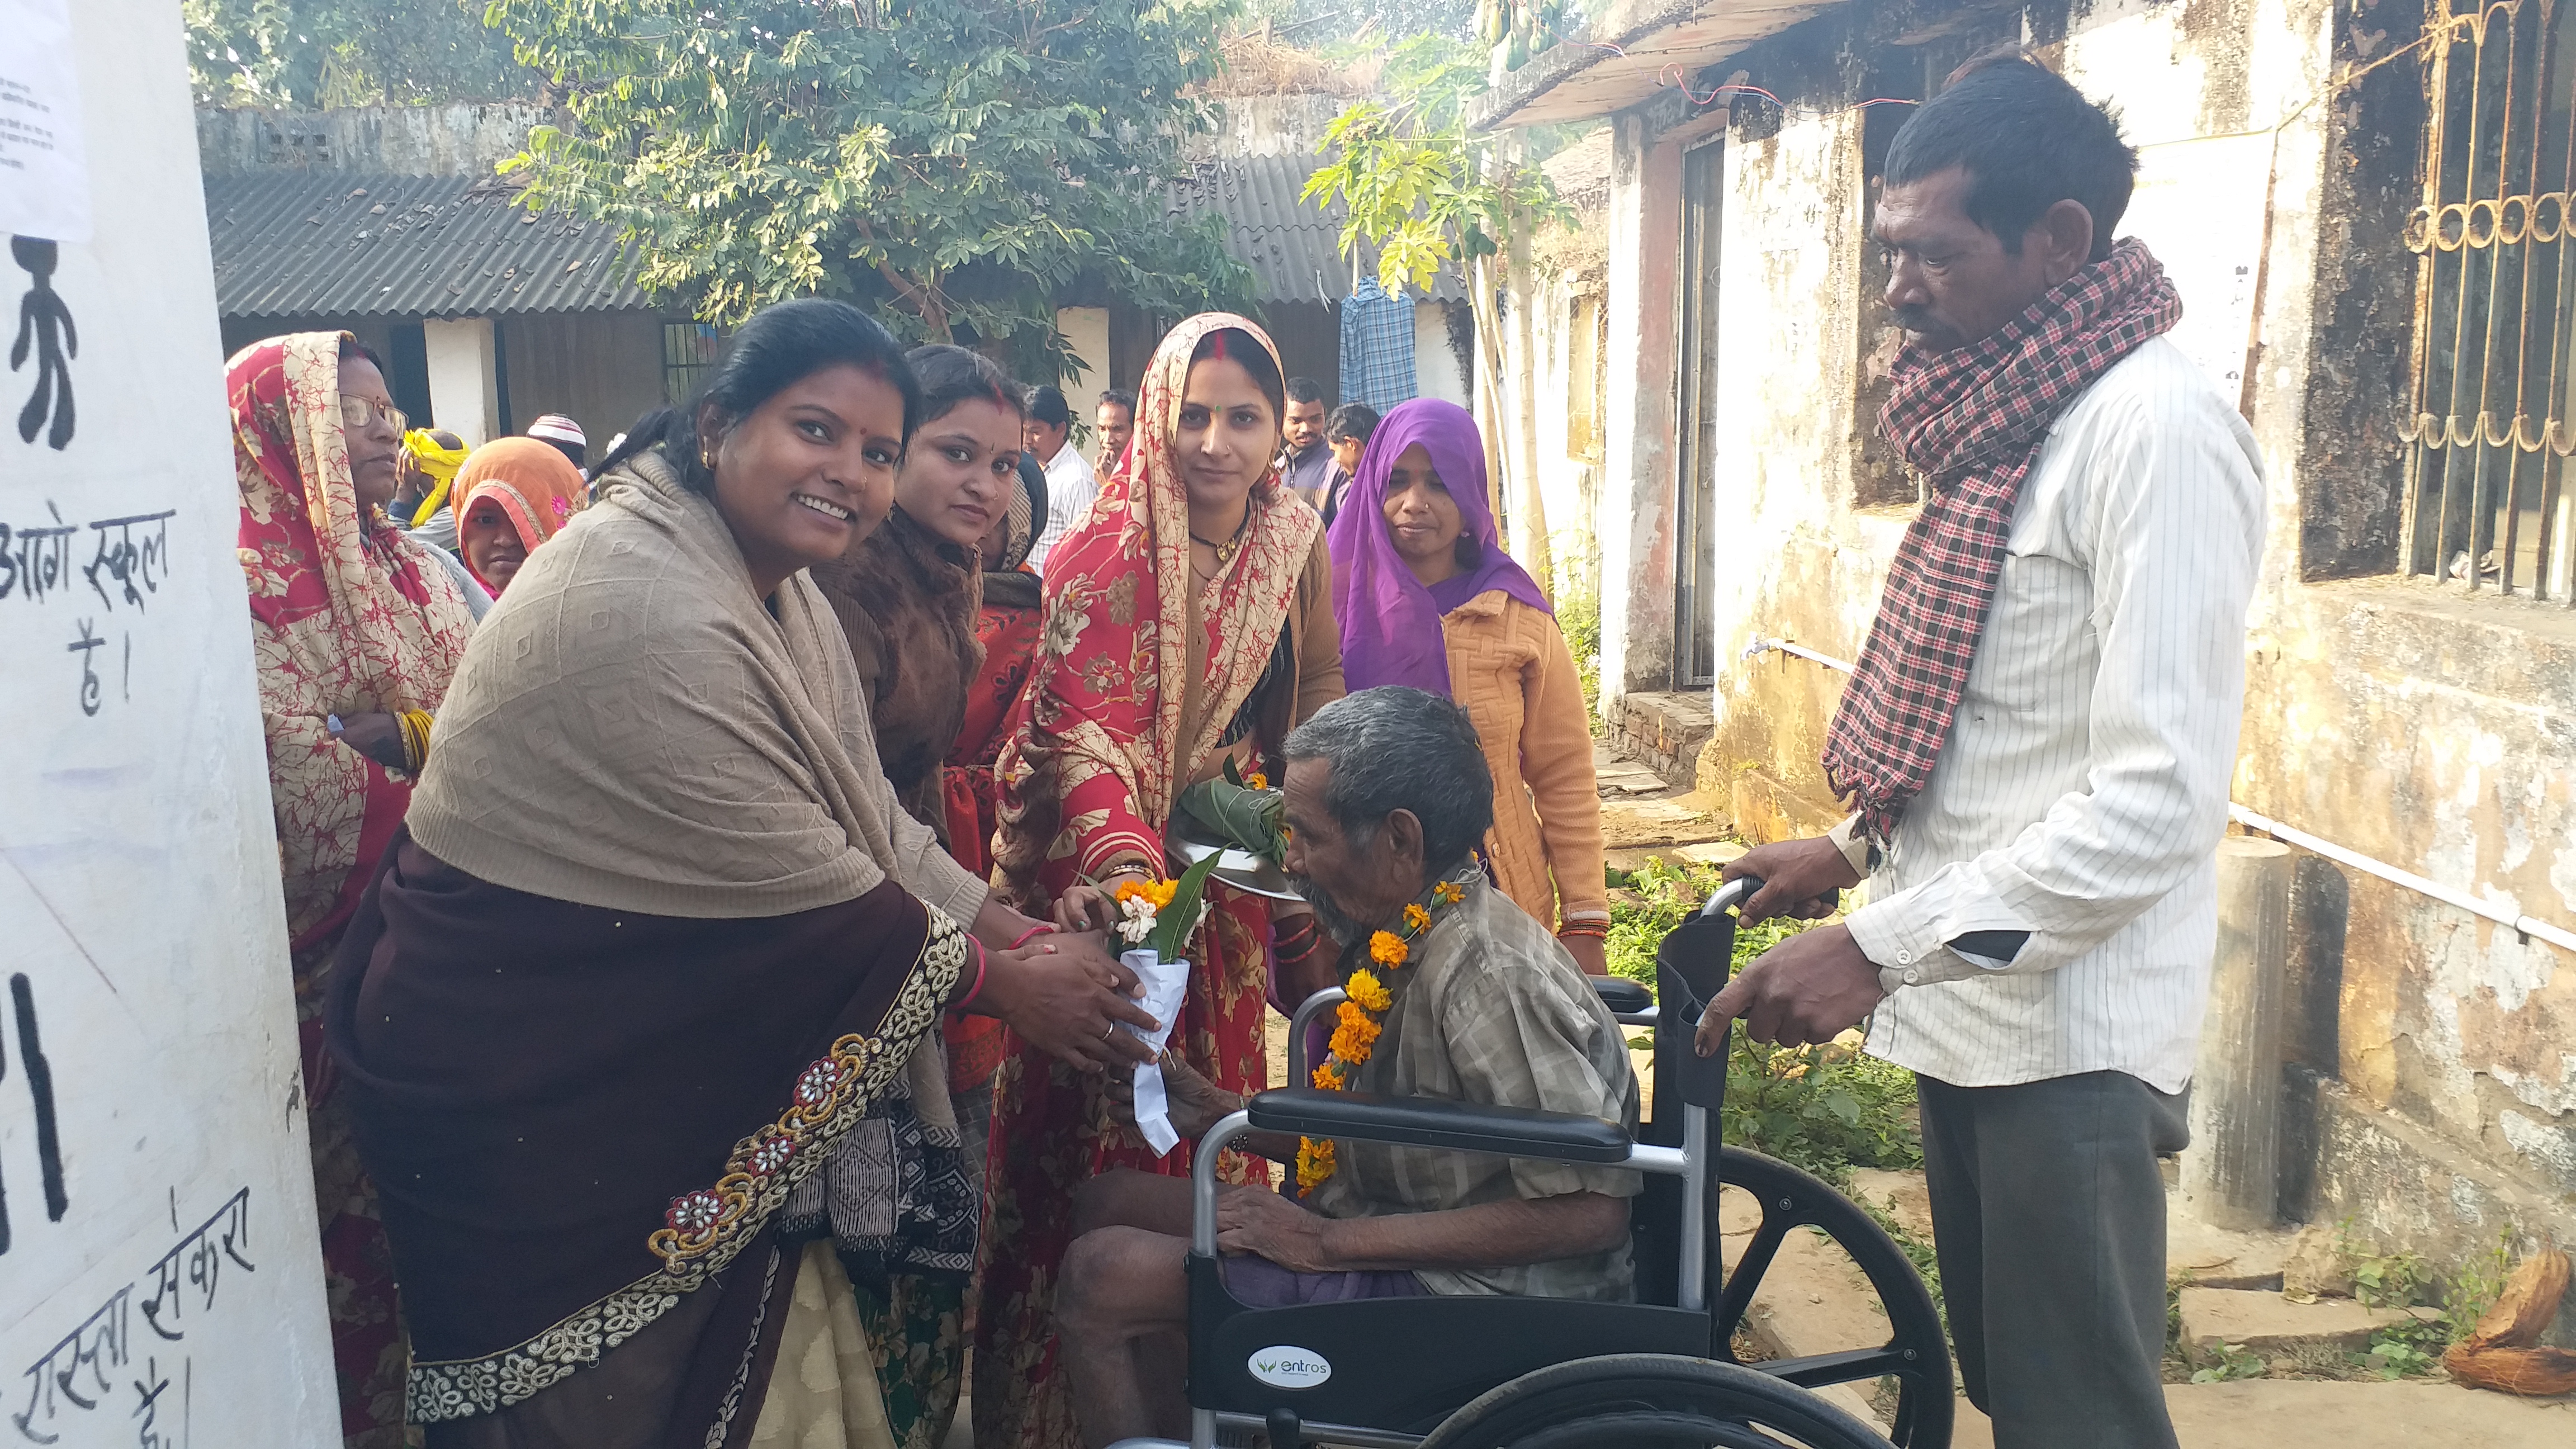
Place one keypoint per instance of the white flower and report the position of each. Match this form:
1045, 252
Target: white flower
1139, 922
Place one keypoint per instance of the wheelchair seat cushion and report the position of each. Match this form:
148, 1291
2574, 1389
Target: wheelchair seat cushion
1256, 1282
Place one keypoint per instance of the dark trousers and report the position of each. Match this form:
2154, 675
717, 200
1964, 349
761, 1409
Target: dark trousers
2049, 1217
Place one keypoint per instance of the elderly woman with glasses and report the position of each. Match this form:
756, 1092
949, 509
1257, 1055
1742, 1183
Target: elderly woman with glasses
355, 631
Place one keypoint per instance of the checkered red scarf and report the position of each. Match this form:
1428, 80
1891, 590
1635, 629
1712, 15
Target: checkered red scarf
1971, 421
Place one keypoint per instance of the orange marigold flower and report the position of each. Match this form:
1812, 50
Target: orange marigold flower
1314, 1163
1449, 892
1415, 916
1256, 781
1352, 1039
1328, 1077
1368, 991
1387, 950
1159, 892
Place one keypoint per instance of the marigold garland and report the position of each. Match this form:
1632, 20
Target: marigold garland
1359, 1021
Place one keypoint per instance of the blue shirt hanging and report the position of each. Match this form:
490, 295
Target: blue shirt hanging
1377, 347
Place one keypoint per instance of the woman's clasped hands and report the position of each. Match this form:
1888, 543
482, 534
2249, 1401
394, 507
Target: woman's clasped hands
1065, 995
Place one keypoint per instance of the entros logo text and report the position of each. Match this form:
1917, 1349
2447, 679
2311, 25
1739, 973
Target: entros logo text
1287, 1366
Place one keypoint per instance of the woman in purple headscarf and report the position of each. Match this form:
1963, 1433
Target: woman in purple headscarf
1427, 597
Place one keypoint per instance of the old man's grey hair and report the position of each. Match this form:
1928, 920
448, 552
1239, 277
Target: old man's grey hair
1394, 748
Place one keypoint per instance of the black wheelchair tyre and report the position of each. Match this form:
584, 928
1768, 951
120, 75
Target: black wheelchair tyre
1650, 1400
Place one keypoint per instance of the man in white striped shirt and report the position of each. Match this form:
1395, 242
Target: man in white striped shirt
2038, 831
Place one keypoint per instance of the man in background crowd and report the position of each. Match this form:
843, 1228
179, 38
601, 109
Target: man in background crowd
1304, 462
564, 434
1116, 420
1071, 485
424, 469
1345, 437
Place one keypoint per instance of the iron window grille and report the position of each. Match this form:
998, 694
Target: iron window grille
2490, 427
688, 350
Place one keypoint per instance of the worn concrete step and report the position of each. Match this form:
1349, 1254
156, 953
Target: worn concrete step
1636, 823
2267, 1323
2213, 1257
2195, 1252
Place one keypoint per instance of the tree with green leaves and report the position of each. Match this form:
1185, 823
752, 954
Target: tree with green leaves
958, 165
304, 54
1431, 195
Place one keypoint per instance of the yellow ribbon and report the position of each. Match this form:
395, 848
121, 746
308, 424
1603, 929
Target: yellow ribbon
439, 463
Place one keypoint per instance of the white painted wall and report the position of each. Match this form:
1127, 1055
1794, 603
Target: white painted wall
464, 383
138, 866
1436, 372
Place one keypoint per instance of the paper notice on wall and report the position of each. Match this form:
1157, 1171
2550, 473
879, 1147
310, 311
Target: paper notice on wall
44, 181
2199, 207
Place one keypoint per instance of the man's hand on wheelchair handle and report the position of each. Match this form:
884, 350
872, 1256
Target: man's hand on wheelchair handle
1801, 879
1807, 989
1256, 1220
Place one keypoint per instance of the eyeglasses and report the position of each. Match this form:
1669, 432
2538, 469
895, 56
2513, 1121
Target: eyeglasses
356, 412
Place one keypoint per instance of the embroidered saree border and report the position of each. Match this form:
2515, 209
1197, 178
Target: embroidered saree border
706, 1228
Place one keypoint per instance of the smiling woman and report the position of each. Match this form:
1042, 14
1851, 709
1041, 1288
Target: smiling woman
906, 594
656, 944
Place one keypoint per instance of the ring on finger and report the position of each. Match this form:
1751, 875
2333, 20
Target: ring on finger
1109, 1031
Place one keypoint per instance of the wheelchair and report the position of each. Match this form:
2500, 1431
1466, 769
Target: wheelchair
1475, 1372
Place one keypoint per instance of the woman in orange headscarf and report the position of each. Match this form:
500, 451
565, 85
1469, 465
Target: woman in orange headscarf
511, 495
1188, 624
355, 632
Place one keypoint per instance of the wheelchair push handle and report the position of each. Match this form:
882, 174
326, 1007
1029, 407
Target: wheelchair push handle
1734, 893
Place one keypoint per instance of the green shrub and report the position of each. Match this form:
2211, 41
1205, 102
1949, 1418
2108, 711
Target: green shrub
1827, 1108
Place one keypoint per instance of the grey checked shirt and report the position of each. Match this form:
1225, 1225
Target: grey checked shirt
1491, 1010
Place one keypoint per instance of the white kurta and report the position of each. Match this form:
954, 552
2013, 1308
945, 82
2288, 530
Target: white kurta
2083, 789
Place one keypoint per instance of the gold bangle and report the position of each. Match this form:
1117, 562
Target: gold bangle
415, 732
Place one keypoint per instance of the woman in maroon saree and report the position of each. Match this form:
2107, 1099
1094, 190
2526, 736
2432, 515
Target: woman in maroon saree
632, 1018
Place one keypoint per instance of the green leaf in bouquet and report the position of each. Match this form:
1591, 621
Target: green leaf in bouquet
1174, 923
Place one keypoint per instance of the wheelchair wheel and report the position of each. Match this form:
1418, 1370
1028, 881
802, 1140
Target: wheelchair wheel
1650, 1401
1916, 1354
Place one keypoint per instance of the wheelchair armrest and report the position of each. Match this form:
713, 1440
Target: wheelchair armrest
1431, 1122
1623, 996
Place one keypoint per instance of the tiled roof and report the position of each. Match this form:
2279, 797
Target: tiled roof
1293, 248
295, 242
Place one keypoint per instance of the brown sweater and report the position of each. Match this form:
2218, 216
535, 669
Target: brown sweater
1509, 668
907, 601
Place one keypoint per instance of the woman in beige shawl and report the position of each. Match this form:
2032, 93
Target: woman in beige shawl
640, 1020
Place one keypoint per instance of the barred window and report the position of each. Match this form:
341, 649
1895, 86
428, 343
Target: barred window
2493, 418
688, 350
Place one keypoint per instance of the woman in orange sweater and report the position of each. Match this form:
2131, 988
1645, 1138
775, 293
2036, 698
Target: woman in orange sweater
1427, 597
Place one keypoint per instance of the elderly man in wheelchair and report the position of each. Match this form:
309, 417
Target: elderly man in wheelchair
1471, 1249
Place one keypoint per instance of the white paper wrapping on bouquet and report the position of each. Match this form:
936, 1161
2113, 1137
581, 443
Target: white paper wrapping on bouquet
1165, 983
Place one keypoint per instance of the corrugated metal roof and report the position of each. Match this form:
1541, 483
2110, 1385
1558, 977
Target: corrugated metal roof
1292, 246
331, 243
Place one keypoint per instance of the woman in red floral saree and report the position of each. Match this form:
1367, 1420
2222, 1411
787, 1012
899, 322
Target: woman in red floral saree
1188, 622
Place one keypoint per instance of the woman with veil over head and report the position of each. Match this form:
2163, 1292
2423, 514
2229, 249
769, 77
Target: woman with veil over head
355, 630
1188, 625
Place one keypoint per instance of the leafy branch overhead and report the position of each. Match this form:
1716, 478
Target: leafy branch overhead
958, 165
1419, 186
